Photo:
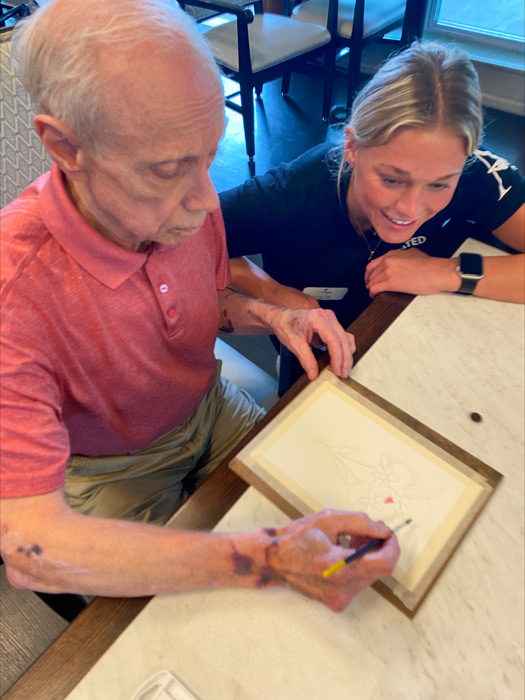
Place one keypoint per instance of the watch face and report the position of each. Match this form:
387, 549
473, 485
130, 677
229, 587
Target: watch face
471, 264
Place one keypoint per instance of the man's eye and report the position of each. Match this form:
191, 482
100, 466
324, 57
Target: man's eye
439, 186
390, 181
165, 172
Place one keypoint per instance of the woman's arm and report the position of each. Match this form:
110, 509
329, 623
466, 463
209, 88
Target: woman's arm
252, 281
512, 232
415, 272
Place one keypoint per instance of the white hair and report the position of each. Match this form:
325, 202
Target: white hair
58, 52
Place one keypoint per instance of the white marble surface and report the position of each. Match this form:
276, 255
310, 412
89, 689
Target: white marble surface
444, 358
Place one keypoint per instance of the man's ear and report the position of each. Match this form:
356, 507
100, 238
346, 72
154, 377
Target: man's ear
61, 144
350, 146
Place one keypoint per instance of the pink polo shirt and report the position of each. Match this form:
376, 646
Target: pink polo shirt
102, 350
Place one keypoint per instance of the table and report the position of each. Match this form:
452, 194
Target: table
443, 358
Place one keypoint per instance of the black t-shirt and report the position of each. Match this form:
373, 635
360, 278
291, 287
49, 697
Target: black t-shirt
292, 216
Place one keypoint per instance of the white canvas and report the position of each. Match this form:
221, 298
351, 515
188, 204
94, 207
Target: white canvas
333, 449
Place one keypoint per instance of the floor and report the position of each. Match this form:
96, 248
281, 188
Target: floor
285, 127
27, 628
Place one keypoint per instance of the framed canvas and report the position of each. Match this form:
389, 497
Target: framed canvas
341, 446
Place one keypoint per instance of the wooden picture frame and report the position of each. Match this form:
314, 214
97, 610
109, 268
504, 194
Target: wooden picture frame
339, 445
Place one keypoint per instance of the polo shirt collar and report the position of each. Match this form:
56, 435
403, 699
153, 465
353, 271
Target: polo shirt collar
108, 262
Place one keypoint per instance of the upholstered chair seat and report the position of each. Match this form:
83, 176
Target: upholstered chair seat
273, 40
378, 14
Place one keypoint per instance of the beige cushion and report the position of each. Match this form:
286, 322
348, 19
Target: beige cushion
273, 39
378, 14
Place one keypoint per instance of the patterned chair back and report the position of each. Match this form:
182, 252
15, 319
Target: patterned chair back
22, 156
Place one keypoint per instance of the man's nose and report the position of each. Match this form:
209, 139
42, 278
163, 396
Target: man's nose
202, 195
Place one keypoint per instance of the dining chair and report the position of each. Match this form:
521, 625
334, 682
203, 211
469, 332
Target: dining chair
23, 159
353, 25
252, 49
10, 13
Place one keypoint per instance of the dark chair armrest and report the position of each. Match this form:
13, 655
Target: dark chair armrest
221, 6
19, 11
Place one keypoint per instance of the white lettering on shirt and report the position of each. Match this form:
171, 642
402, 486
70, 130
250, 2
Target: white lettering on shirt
493, 168
415, 240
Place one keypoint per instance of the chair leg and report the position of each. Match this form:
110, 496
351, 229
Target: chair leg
329, 75
354, 66
248, 119
285, 85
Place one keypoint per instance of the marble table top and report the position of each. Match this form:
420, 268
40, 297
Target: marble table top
444, 358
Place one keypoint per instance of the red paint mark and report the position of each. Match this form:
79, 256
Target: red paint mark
389, 499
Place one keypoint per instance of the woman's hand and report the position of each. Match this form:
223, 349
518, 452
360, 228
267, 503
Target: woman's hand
411, 271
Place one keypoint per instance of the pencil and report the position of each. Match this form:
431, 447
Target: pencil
359, 553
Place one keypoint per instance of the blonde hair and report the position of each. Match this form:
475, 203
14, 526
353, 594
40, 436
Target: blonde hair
58, 52
425, 86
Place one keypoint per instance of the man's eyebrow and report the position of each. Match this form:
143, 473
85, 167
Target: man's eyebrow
405, 173
166, 161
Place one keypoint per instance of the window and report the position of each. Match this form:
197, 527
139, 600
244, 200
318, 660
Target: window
497, 23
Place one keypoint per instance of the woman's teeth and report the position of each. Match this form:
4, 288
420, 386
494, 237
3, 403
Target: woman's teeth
399, 222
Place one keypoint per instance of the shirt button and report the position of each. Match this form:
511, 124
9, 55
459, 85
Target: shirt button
163, 288
172, 313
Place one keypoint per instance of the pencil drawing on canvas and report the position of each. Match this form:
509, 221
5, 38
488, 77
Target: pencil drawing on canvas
388, 487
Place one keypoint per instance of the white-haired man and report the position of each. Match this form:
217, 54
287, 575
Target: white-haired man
114, 283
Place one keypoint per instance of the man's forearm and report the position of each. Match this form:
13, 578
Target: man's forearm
244, 315
297, 328
95, 556
80, 554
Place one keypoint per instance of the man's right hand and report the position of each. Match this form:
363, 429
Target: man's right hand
297, 554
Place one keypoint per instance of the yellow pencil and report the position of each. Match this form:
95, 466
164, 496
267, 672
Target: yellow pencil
366, 548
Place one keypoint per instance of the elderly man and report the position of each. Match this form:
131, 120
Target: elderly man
114, 283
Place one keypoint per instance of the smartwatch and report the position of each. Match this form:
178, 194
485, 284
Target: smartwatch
470, 269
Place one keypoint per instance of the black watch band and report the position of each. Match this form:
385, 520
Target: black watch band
470, 270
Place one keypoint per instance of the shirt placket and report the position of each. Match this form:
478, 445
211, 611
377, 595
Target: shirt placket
165, 290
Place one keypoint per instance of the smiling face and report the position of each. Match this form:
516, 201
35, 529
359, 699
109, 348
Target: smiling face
398, 186
153, 184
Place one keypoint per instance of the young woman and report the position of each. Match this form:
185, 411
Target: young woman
385, 211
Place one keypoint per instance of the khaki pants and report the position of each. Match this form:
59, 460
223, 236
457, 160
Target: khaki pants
149, 485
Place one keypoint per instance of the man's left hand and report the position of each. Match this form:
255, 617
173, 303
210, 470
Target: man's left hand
299, 329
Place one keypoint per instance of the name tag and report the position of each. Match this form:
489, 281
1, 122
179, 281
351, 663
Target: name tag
326, 293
